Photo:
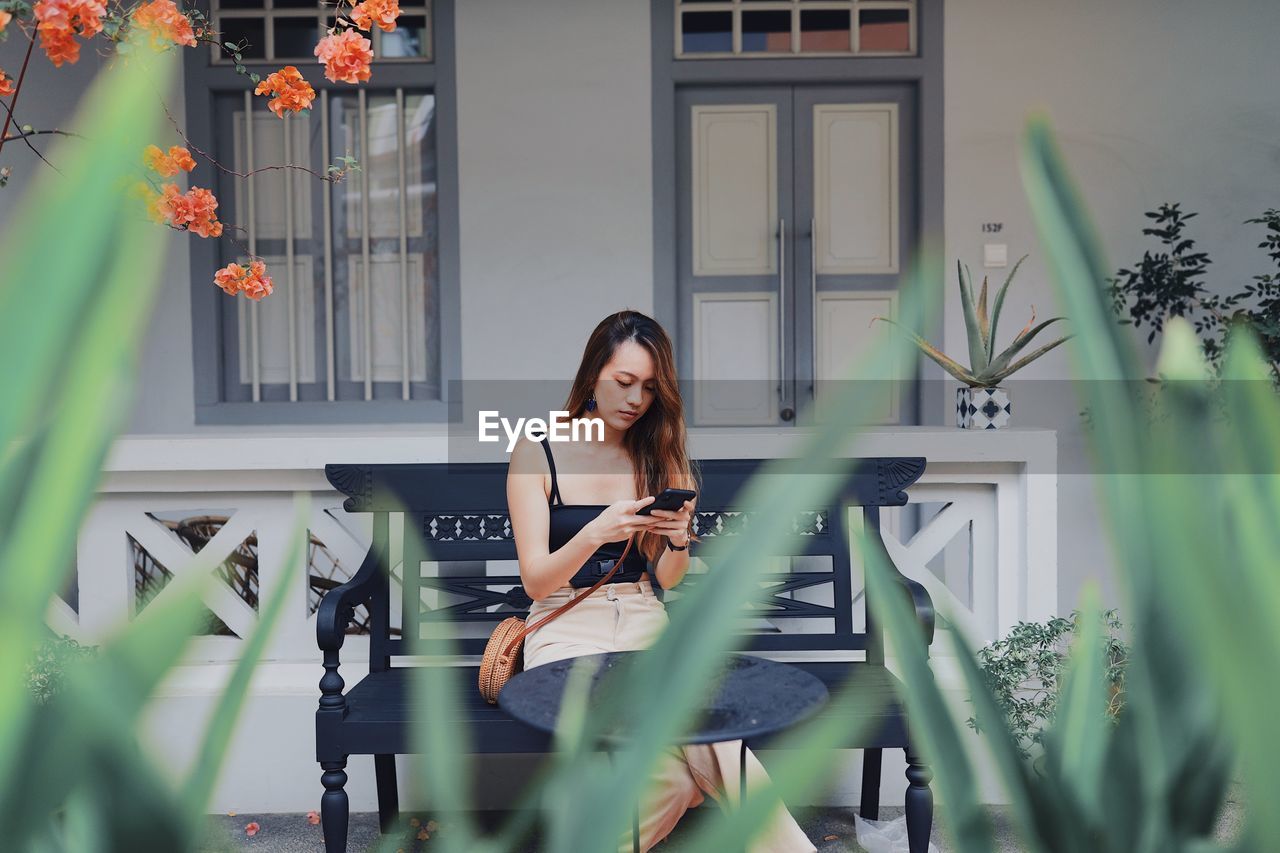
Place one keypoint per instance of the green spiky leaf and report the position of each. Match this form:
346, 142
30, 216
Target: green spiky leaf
955, 368
1000, 362
995, 311
984, 326
977, 354
997, 378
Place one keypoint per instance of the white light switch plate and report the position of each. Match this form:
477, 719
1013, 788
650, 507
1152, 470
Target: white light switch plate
995, 255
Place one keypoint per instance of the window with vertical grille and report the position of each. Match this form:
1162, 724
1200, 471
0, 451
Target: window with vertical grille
355, 316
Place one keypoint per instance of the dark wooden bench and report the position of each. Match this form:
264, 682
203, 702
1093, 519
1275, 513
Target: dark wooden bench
461, 511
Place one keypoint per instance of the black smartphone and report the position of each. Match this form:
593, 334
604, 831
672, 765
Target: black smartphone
669, 499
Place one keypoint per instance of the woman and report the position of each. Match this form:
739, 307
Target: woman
627, 379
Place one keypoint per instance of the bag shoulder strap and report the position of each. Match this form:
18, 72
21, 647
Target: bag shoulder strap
564, 607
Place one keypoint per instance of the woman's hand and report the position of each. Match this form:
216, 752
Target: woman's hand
619, 520
675, 523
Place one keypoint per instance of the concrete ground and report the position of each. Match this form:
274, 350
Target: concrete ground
831, 829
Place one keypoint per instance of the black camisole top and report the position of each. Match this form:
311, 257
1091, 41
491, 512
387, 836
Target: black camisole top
568, 519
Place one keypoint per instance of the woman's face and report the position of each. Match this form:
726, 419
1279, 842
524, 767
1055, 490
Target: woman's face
626, 385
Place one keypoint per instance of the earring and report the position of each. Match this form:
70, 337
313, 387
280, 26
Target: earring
591, 404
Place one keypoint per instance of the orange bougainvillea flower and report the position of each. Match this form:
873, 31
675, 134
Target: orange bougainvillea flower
251, 829
163, 21
313, 818
199, 213
191, 211
346, 56
6, 85
59, 44
60, 21
380, 12
5, 18
165, 165
254, 283
291, 91
258, 284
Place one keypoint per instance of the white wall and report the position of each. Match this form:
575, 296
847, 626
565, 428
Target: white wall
556, 178
47, 99
1152, 101
164, 397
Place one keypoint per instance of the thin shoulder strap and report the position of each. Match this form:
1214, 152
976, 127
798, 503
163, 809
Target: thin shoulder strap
555, 486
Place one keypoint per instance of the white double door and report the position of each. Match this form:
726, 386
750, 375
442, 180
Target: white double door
797, 212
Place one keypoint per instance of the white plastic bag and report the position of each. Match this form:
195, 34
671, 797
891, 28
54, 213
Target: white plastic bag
884, 836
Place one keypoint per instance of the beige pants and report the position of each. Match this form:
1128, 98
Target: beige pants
627, 617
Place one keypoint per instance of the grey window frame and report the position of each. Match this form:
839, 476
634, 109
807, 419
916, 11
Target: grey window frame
923, 70
854, 7
203, 82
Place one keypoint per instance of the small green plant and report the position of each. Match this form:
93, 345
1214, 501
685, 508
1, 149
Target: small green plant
1168, 283
987, 369
1024, 670
46, 671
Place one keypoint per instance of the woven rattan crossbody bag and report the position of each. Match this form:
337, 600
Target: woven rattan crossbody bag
504, 653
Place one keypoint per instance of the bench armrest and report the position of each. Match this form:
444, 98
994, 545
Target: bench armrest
337, 608
921, 601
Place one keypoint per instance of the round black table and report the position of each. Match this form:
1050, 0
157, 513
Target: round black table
754, 697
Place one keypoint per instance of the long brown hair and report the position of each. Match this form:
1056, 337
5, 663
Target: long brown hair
655, 443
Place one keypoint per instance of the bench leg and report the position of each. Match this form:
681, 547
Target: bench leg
384, 771
334, 807
870, 809
919, 802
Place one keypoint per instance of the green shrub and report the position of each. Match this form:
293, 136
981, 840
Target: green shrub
47, 670
1024, 670
1168, 282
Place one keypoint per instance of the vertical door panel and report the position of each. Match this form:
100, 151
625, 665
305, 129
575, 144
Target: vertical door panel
735, 189
846, 336
855, 185
735, 267
855, 206
736, 345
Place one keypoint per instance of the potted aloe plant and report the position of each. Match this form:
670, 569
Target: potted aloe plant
981, 403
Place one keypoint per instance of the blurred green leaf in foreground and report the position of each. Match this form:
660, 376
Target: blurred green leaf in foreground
79, 270
1193, 507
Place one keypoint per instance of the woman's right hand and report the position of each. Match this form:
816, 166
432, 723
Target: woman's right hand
618, 521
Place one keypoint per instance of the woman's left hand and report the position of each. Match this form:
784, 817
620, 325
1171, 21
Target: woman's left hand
676, 524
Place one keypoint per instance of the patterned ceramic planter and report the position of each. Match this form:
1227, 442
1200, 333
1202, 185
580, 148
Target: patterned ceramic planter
982, 408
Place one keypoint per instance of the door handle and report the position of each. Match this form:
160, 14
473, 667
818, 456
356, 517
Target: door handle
813, 308
787, 413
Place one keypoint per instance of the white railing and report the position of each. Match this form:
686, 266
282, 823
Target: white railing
988, 557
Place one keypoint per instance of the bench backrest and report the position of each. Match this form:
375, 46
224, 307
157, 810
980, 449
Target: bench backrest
460, 510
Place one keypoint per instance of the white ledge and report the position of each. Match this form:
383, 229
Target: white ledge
311, 452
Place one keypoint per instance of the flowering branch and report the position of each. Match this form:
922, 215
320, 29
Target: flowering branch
26, 132
346, 54
31, 42
334, 177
